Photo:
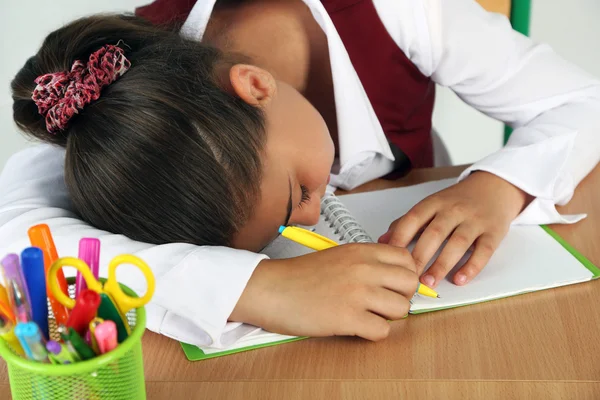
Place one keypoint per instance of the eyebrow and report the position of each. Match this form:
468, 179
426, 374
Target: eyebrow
289, 206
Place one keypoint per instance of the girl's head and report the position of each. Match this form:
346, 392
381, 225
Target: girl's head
188, 144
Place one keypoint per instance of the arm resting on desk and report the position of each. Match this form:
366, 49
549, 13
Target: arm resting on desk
196, 287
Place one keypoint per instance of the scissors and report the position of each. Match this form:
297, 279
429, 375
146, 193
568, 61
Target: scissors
110, 291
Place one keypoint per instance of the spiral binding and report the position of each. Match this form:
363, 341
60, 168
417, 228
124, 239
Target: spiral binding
339, 217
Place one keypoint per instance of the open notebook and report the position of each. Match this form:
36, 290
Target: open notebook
529, 258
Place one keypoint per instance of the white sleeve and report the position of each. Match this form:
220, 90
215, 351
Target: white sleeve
196, 287
553, 106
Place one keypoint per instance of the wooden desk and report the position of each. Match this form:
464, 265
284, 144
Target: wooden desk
540, 344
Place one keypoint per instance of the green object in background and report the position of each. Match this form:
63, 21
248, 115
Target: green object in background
116, 375
520, 17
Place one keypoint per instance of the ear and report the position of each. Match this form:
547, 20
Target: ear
252, 84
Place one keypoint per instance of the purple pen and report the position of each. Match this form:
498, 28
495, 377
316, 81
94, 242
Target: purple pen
89, 252
16, 288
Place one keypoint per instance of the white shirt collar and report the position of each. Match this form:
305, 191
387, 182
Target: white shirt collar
359, 132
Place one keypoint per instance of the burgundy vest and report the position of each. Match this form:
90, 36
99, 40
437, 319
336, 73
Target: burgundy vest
401, 95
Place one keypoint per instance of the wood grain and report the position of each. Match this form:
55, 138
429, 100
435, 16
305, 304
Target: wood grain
360, 390
541, 344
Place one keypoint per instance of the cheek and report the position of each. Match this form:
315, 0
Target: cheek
309, 213
318, 153
313, 210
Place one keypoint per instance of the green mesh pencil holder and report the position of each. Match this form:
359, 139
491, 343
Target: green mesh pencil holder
118, 374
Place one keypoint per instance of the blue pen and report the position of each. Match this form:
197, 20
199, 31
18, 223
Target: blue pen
16, 287
32, 341
32, 263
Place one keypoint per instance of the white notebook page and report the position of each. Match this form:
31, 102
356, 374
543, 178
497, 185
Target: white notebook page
527, 259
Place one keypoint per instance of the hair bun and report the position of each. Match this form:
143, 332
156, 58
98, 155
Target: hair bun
61, 95
82, 46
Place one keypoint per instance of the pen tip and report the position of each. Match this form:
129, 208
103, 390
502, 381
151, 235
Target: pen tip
438, 296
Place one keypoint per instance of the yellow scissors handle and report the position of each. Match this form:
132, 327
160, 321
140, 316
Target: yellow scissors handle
111, 286
80, 266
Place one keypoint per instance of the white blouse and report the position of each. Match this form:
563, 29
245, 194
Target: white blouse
553, 106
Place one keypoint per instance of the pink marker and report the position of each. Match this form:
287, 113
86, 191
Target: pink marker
106, 336
89, 252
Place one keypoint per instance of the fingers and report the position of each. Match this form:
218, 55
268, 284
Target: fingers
432, 238
455, 249
403, 230
384, 266
388, 304
399, 280
370, 326
375, 254
395, 256
484, 248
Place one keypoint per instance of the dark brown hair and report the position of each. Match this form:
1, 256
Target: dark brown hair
166, 154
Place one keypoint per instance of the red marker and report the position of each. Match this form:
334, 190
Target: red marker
84, 311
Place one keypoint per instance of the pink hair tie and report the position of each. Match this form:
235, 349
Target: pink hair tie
60, 95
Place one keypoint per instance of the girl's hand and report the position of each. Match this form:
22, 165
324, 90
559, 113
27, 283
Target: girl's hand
477, 211
350, 290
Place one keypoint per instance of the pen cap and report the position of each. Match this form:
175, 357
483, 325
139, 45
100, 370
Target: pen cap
32, 264
28, 330
82, 348
12, 269
106, 336
40, 236
85, 309
31, 339
53, 347
17, 290
89, 252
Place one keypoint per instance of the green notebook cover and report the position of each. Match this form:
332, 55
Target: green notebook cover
194, 353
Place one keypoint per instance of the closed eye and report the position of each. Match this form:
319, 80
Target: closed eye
305, 196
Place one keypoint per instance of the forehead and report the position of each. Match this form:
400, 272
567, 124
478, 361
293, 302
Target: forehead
271, 207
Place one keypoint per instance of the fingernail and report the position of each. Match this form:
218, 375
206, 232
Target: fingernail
428, 280
461, 278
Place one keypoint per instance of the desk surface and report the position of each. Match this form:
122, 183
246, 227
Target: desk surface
490, 349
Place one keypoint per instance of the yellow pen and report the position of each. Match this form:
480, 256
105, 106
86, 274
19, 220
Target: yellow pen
317, 242
306, 238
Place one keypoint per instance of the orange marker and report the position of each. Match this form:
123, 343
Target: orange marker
41, 237
4, 295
